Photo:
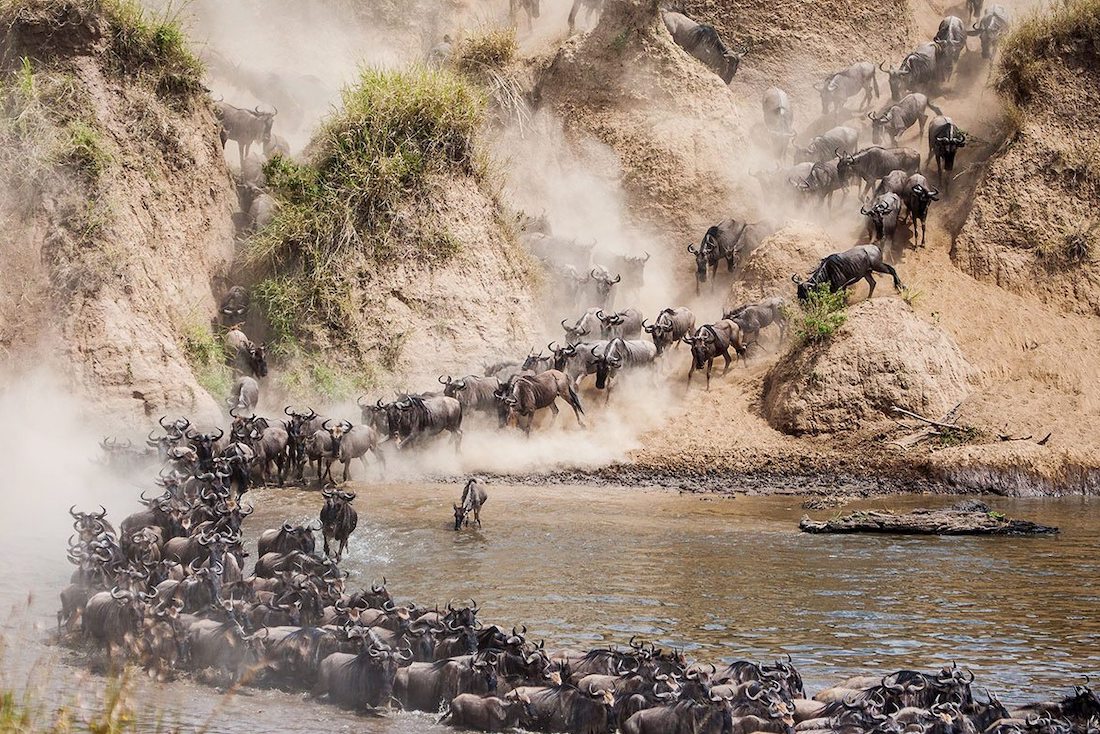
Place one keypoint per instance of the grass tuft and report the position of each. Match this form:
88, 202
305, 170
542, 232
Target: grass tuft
373, 159
490, 49
1068, 29
820, 316
205, 353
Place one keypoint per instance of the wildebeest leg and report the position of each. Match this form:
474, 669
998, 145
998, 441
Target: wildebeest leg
887, 269
553, 411
870, 284
456, 436
347, 470
325, 536
691, 371
729, 360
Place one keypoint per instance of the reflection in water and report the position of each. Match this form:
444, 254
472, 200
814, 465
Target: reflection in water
723, 578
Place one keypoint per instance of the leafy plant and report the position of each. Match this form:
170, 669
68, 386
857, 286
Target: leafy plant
821, 314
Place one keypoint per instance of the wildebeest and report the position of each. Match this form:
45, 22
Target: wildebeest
893, 182
682, 717
992, 27
704, 254
324, 448
530, 9
950, 39
361, 680
900, 116
839, 86
916, 71
711, 341
530, 393
778, 119
245, 394
626, 324
871, 164
234, 306
590, 7
338, 520
355, 444
113, 618
423, 417
703, 42
287, 538
222, 645
670, 326
754, 317
489, 713
882, 218
473, 392
244, 126
821, 147
589, 324
918, 196
262, 210
567, 708
473, 497
245, 355
617, 355
842, 269
276, 145
944, 141
730, 240
601, 283
824, 180
630, 267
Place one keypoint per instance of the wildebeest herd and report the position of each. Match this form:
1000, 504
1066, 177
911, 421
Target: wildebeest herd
169, 592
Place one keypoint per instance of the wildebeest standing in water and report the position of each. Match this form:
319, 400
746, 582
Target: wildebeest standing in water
842, 269
338, 520
473, 497
704, 43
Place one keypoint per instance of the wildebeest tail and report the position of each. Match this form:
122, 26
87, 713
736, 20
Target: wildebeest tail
934, 108
575, 399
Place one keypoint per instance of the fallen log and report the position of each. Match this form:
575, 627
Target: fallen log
968, 518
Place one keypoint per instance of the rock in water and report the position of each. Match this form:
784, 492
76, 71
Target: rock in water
965, 518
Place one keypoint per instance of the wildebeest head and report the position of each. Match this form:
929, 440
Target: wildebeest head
878, 210
203, 444
257, 360
828, 90
603, 366
336, 433
921, 198
948, 144
703, 255
878, 124
702, 347
561, 355
535, 361
604, 282
268, 121
899, 78
844, 163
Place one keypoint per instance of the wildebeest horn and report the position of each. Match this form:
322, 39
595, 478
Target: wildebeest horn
618, 278
563, 324
161, 422
550, 346
882, 67
448, 381
325, 424
864, 212
593, 273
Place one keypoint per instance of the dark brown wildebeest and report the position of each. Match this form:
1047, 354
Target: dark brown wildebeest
530, 393
842, 269
704, 43
711, 341
338, 520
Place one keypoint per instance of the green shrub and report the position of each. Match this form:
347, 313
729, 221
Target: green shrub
1069, 29
371, 160
821, 315
205, 353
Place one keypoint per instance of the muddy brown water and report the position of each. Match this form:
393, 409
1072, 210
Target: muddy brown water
723, 578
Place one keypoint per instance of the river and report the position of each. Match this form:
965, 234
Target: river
722, 577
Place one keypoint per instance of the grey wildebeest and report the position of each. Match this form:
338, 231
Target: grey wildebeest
489, 713
473, 497
950, 40
245, 394
269, 446
824, 180
324, 448
893, 182
428, 416
618, 355
474, 393
842, 269
944, 141
356, 443
992, 27
711, 341
286, 539
589, 324
244, 354
821, 147
871, 164
590, 7
626, 324
900, 116
600, 284
778, 119
670, 326
703, 42
731, 240
530, 393
338, 520
839, 86
882, 218
244, 126
754, 317
630, 267
234, 306
916, 71
918, 196
530, 9
360, 680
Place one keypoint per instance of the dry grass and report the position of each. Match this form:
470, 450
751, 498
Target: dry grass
1068, 30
